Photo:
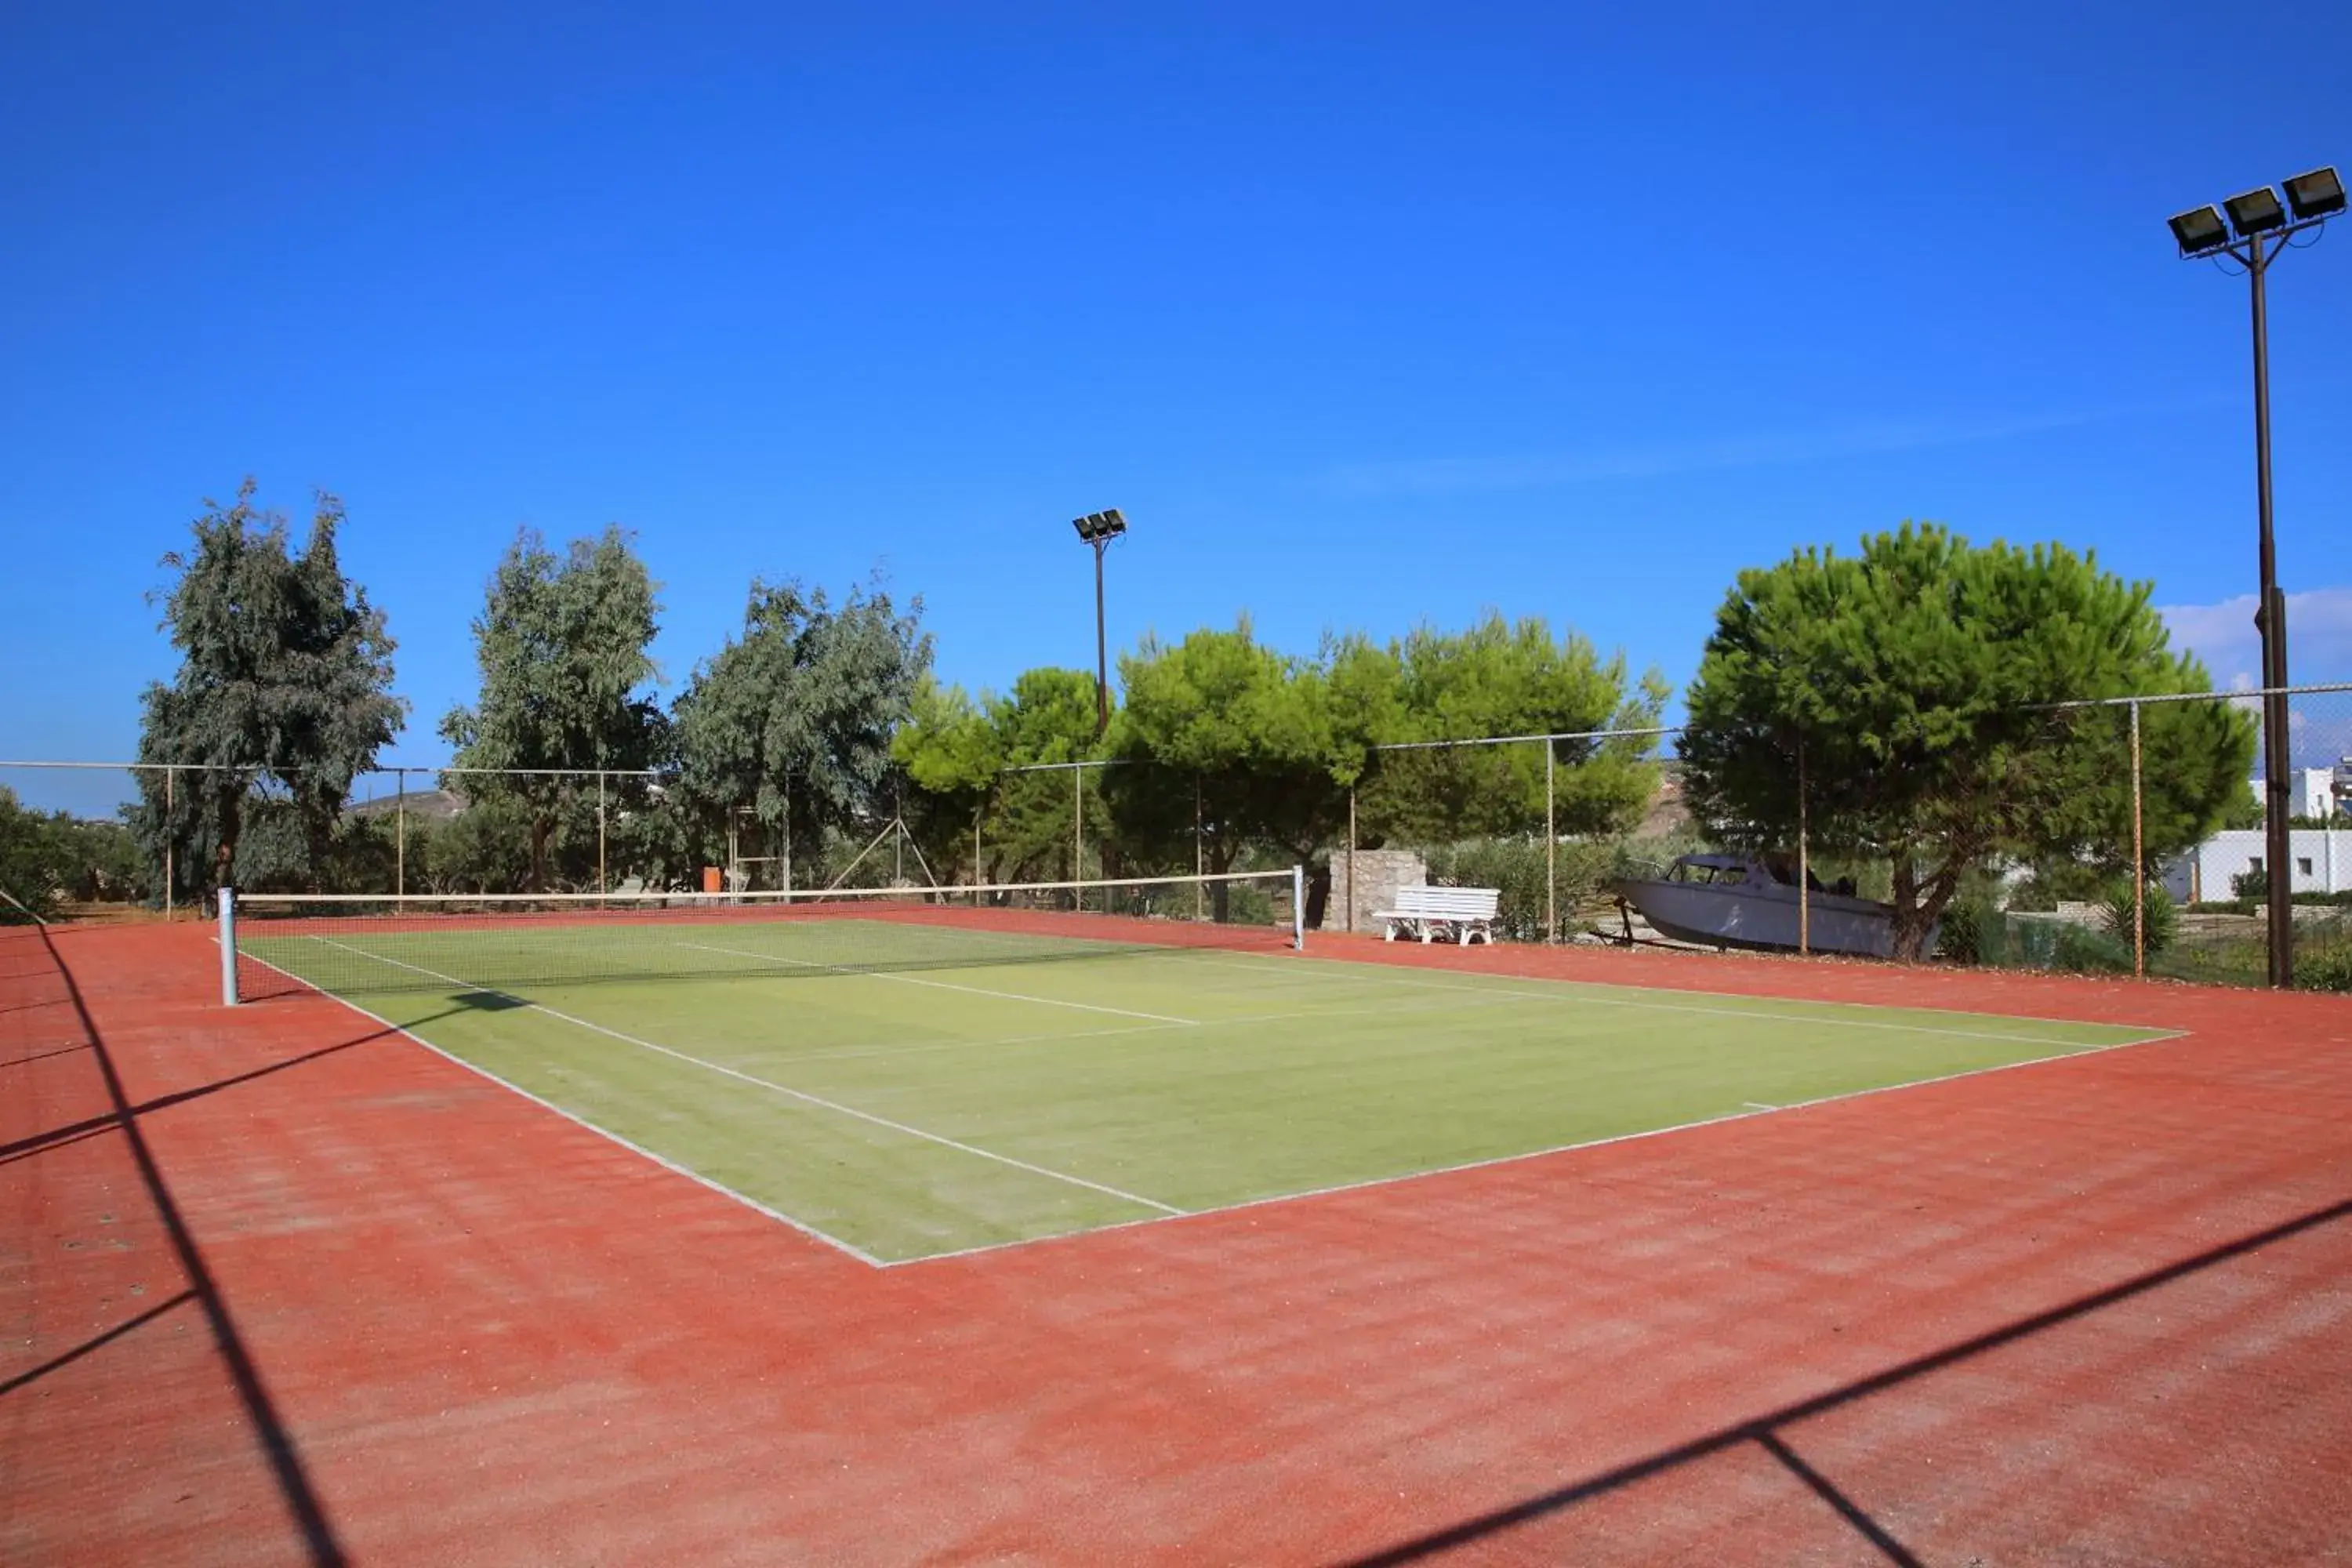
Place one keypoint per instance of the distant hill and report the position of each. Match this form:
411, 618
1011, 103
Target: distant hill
432, 804
1667, 813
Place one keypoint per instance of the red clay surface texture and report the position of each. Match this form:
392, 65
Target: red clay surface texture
277, 1286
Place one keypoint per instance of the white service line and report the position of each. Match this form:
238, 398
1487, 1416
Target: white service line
667, 1164
925, 1047
937, 985
1582, 996
857, 1053
1404, 1177
767, 1084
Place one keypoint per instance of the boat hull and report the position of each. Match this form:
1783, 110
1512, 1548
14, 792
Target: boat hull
1761, 918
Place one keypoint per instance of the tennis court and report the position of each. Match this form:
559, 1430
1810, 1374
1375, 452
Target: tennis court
920, 1079
2095, 1299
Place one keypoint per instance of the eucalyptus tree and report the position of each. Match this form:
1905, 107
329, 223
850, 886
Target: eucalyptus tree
284, 685
564, 643
795, 718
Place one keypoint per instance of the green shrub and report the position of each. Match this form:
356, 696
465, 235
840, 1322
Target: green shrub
2161, 918
1584, 868
2051, 883
2079, 950
2324, 965
2261, 901
1968, 920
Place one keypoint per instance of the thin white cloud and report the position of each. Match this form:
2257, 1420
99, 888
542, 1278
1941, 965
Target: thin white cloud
1660, 459
2318, 637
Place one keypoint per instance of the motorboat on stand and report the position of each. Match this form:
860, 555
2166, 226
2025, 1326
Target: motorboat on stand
1741, 900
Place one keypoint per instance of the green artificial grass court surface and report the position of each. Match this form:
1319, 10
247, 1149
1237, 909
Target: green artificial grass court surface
959, 1089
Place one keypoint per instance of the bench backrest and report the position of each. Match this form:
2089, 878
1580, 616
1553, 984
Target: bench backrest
1449, 903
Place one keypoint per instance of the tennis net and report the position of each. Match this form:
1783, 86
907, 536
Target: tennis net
353, 944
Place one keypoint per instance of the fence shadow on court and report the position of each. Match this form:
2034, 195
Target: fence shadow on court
95, 1343
92, 1126
1766, 1430
294, 1486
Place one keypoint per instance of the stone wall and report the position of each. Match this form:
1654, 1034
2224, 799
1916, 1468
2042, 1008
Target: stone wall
1379, 874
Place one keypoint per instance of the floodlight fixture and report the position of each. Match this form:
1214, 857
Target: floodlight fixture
2319, 193
2255, 212
2199, 230
1100, 527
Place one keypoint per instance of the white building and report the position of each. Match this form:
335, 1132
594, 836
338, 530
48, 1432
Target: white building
2313, 791
2322, 860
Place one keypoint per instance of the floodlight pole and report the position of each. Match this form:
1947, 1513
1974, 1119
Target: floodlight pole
1097, 528
1102, 645
2270, 619
2261, 231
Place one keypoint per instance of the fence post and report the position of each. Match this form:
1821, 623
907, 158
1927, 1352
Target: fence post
400, 832
1351, 857
604, 884
1200, 856
1299, 909
171, 831
1551, 852
2140, 860
1077, 835
1805, 864
229, 945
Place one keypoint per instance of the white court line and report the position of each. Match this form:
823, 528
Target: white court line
936, 984
1757, 1105
575, 1118
860, 1053
767, 1084
1584, 989
2062, 1054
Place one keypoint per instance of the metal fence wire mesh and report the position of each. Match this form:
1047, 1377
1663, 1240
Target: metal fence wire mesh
2137, 872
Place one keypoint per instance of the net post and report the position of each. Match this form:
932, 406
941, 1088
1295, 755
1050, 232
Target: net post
229, 945
1298, 908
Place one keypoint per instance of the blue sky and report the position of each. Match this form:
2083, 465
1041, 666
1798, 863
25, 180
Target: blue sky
1365, 315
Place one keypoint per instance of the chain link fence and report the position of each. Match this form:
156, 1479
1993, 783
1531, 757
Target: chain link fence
2162, 893
2148, 882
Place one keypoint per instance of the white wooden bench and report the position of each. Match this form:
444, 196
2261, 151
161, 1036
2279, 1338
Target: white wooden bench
1464, 914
